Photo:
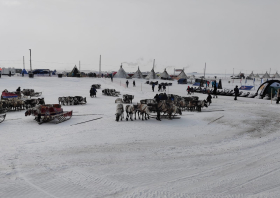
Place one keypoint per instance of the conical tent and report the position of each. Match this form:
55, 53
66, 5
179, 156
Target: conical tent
152, 75
251, 75
24, 71
257, 76
121, 73
266, 75
276, 75
137, 74
164, 75
75, 72
182, 75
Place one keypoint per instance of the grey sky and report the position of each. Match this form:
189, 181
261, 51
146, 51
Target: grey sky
226, 34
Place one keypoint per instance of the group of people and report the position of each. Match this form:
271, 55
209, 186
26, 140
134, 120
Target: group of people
128, 83
161, 87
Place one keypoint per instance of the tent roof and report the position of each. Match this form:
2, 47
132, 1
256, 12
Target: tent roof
24, 71
182, 75
74, 71
152, 75
276, 75
121, 73
251, 75
137, 74
164, 74
266, 75
257, 75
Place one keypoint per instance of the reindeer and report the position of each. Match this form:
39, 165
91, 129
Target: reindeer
119, 112
143, 109
129, 112
170, 108
182, 104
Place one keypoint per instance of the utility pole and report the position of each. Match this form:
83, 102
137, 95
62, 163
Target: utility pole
154, 64
30, 61
100, 66
80, 66
204, 70
23, 63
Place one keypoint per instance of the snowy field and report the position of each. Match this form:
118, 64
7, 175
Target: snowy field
237, 155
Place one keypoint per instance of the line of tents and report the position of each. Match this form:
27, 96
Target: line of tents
266, 75
152, 75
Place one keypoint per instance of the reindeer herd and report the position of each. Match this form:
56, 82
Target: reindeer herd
15, 104
170, 107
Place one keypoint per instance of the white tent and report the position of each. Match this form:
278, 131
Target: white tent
276, 75
137, 74
266, 75
182, 75
121, 73
257, 76
251, 75
151, 75
164, 75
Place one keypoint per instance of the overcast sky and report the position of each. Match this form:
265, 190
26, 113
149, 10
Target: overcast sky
226, 34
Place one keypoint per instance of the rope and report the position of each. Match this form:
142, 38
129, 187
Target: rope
86, 121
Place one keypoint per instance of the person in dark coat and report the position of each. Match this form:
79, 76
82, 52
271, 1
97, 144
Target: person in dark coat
159, 87
164, 97
92, 92
215, 91
127, 83
134, 83
236, 92
278, 96
172, 97
209, 99
18, 90
164, 87
112, 78
153, 87
157, 110
157, 98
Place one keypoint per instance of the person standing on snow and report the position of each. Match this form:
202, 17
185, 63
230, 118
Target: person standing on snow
189, 90
157, 110
215, 91
159, 87
134, 83
278, 96
153, 87
209, 99
236, 92
127, 83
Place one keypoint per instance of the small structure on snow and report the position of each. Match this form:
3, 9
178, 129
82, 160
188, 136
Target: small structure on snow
138, 74
121, 73
151, 75
75, 72
164, 75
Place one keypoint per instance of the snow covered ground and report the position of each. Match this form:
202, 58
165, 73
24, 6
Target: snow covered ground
195, 156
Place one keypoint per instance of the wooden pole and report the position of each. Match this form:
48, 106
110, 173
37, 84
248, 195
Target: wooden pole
23, 63
30, 61
204, 70
100, 66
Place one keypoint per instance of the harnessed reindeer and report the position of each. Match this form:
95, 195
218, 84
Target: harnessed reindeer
119, 112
